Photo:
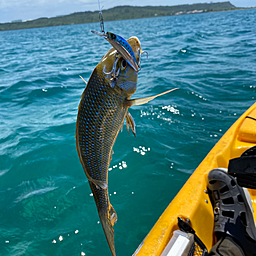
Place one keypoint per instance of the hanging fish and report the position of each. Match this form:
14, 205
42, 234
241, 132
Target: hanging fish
103, 107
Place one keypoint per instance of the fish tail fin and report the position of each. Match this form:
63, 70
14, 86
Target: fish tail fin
106, 213
108, 220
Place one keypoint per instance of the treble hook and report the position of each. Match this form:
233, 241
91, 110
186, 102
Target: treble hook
146, 53
140, 53
113, 73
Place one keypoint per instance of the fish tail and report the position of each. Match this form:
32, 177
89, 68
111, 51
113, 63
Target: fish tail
108, 220
107, 214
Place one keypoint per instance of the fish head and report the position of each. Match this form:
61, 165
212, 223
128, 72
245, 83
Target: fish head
116, 69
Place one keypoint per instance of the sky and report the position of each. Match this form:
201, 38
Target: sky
32, 9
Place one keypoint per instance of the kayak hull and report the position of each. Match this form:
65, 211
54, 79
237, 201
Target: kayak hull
192, 201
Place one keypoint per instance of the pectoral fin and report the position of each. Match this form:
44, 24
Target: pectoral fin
141, 101
130, 122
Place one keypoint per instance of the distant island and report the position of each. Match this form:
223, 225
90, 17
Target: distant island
119, 13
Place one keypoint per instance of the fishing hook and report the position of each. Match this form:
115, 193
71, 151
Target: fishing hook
113, 73
140, 53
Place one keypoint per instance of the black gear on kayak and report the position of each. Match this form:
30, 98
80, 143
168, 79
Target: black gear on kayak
244, 168
250, 152
233, 213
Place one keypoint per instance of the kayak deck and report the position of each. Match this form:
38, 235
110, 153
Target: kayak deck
192, 201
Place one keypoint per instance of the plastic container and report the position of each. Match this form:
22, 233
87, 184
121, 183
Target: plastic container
179, 245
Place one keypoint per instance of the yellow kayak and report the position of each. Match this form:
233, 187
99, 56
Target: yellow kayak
192, 201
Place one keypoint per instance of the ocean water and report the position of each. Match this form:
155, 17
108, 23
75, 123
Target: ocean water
46, 206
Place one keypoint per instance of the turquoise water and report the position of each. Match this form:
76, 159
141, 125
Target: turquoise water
46, 206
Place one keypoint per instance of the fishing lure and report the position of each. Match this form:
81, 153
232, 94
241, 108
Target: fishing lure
119, 43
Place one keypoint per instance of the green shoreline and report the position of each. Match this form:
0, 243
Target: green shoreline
120, 13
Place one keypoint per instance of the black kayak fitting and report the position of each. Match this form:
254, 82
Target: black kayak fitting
244, 168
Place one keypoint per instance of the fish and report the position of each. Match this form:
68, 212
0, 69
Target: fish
102, 110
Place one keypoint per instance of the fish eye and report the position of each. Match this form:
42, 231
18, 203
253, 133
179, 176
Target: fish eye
123, 64
113, 36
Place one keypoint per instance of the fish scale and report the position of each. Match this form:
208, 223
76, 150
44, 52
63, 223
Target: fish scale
100, 116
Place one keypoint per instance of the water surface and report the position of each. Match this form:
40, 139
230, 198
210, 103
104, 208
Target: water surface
46, 206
